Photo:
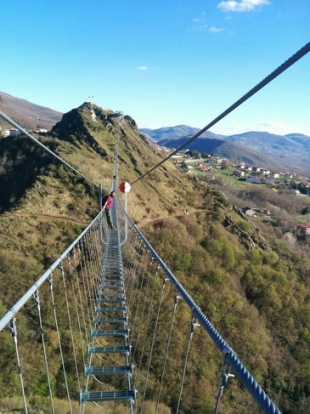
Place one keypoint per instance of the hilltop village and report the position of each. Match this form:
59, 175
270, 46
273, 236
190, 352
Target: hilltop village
210, 168
235, 177
240, 249
14, 132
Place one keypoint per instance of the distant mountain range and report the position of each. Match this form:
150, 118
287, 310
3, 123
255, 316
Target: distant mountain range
27, 114
179, 131
282, 152
287, 152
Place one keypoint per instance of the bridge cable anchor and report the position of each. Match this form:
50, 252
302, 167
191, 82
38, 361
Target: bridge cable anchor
225, 376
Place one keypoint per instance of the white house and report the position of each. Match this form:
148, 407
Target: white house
304, 229
265, 172
249, 212
239, 173
14, 132
5, 132
254, 180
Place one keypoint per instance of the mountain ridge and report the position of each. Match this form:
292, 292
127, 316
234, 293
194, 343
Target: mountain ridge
253, 286
289, 152
27, 114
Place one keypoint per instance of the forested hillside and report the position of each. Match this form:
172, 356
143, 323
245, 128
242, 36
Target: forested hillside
27, 114
250, 279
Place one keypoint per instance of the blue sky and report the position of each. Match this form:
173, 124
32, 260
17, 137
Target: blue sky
164, 63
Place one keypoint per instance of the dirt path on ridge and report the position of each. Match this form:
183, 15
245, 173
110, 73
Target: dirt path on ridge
48, 216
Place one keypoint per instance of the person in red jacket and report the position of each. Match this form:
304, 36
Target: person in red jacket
108, 203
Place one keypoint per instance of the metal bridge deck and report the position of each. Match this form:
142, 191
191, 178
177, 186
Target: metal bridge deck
110, 291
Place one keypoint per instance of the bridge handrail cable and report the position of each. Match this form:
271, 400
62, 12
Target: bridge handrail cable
289, 62
5, 320
44, 147
259, 395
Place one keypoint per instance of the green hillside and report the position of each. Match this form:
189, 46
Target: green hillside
44, 205
227, 149
249, 279
27, 114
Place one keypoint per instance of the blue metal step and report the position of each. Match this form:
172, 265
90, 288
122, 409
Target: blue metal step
110, 310
112, 252
126, 369
108, 349
109, 286
113, 277
110, 320
107, 276
124, 395
112, 271
111, 280
111, 293
112, 332
120, 300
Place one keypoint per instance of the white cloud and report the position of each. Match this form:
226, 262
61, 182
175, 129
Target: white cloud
200, 23
242, 5
273, 127
279, 128
214, 29
143, 68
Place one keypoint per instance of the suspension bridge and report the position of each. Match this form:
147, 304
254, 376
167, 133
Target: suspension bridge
113, 309
118, 303
113, 316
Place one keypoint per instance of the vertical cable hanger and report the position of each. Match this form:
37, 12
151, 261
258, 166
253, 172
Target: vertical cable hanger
13, 330
193, 325
225, 376
37, 302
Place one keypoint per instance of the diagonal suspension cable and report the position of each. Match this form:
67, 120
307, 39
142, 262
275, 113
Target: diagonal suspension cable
13, 329
193, 325
44, 147
62, 356
62, 270
165, 280
176, 298
36, 298
289, 62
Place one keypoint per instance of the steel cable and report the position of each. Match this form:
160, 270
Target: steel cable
62, 269
176, 297
59, 342
165, 280
37, 302
45, 148
289, 62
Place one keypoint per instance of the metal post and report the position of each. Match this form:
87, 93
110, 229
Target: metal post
100, 197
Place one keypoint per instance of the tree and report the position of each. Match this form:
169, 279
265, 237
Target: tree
305, 210
184, 165
224, 165
194, 153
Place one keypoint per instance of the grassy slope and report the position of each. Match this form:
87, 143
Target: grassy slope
244, 294
45, 206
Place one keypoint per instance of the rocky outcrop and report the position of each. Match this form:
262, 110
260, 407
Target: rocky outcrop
248, 238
